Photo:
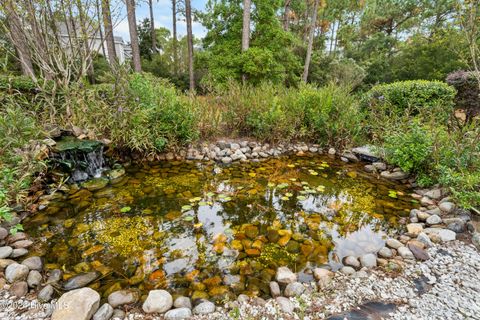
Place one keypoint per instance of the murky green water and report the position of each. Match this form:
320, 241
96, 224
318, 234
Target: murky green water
206, 230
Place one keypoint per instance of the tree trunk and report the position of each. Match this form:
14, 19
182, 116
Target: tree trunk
310, 42
19, 41
175, 50
100, 31
246, 25
152, 28
188, 13
107, 25
286, 15
246, 29
132, 26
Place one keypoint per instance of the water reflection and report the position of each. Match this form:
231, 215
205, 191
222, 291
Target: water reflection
187, 225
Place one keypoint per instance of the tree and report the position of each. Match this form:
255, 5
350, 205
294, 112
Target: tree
107, 25
152, 27
246, 25
246, 29
18, 39
174, 34
188, 14
132, 27
310, 41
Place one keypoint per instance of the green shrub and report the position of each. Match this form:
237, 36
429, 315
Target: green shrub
412, 97
142, 113
411, 149
19, 83
332, 115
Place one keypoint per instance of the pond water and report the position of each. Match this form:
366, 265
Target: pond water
207, 230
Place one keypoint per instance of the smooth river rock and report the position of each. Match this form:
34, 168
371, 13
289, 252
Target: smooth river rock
285, 304
33, 263
158, 301
122, 297
434, 219
204, 307
46, 293
80, 280
105, 312
16, 272
5, 252
34, 279
178, 314
285, 276
294, 289
182, 302
443, 234
78, 304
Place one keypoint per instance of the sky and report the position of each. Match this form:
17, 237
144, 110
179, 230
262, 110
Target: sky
162, 12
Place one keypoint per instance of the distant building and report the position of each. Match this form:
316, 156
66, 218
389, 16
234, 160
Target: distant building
123, 50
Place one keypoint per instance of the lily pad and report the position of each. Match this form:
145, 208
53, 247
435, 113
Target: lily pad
125, 209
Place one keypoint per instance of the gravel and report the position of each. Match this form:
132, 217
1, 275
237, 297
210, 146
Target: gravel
450, 287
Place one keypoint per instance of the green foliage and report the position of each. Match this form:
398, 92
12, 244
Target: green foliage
410, 149
19, 153
332, 114
328, 115
270, 56
417, 97
143, 113
17, 83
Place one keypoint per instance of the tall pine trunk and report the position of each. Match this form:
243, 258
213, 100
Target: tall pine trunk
152, 28
174, 27
286, 15
246, 29
107, 26
188, 13
132, 27
310, 42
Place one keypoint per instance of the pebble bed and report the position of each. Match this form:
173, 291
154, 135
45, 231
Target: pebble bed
452, 292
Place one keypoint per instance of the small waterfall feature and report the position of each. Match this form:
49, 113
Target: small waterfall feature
82, 159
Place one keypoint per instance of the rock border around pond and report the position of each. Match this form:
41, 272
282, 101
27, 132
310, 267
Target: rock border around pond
438, 220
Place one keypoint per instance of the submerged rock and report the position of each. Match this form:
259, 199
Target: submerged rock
79, 304
80, 280
122, 297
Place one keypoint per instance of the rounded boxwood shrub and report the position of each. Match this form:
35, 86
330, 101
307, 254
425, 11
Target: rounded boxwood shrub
414, 97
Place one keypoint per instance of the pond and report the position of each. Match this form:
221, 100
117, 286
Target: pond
206, 230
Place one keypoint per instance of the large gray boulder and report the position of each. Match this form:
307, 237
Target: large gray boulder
78, 304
